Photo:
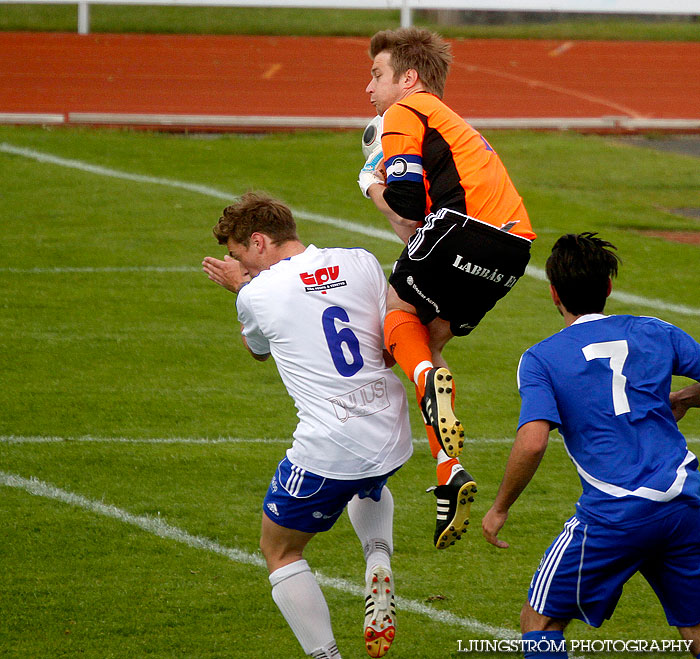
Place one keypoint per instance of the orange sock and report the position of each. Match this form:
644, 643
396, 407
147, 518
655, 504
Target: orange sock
406, 338
435, 447
444, 470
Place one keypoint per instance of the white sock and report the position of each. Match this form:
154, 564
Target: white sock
299, 598
329, 652
421, 371
373, 522
442, 457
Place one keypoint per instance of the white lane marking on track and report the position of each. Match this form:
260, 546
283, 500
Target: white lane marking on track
539, 84
271, 71
561, 49
157, 526
347, 225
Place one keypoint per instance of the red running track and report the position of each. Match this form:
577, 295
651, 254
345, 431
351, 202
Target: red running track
239, 77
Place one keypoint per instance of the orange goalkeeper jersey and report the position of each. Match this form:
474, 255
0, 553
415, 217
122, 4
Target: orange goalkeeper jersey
434, 160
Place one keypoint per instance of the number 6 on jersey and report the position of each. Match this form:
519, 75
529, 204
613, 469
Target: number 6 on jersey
337, 338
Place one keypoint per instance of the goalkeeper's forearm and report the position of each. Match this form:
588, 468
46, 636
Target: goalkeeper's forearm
403, 228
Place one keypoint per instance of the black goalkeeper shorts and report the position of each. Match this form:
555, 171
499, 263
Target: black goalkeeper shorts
456, 268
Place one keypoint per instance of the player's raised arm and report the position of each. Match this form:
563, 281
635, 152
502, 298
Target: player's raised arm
525, 457
683, 399
372, 179
402, 227
228, 273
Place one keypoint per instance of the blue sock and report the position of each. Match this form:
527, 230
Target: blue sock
544, 645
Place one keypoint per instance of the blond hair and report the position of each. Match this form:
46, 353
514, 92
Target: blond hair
416, 48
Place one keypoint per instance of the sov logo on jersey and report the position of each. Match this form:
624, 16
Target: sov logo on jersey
323, 279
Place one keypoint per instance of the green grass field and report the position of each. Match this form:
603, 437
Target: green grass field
137, 436
339, 22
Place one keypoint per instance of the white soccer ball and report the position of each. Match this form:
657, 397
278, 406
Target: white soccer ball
372, 137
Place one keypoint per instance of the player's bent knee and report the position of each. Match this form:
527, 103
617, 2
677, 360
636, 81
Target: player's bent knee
440, 333
395, 303
692, 634
277, 556
530, 621
281, 546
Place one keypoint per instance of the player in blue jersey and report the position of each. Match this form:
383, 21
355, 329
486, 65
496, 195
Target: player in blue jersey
605, 382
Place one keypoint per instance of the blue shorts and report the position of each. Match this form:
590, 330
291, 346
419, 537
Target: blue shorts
298, 499
583, 571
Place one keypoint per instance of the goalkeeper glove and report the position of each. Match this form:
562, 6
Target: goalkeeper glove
366, 179
368, 174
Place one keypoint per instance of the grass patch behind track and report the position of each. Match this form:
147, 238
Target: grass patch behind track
340, 22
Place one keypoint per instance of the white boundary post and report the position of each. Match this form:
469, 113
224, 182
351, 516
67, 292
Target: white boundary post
83, 18
406, 14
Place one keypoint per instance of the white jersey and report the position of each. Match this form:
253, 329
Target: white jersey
320, 314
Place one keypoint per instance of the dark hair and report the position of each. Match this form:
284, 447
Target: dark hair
579, 268
419, 49
255, 211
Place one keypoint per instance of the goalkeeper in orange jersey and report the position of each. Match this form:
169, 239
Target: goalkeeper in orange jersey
448, 196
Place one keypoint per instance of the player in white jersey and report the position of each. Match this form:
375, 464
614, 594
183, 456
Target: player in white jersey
319, 313
605, 382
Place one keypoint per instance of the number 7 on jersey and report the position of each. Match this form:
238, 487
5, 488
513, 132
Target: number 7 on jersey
617, 352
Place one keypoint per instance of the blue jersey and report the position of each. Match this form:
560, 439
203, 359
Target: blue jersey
605, 382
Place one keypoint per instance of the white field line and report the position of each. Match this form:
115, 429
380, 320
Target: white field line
58, 270
532, 271
630, 298
157, 526
96, 270
190, 187
39, 439
372, 232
